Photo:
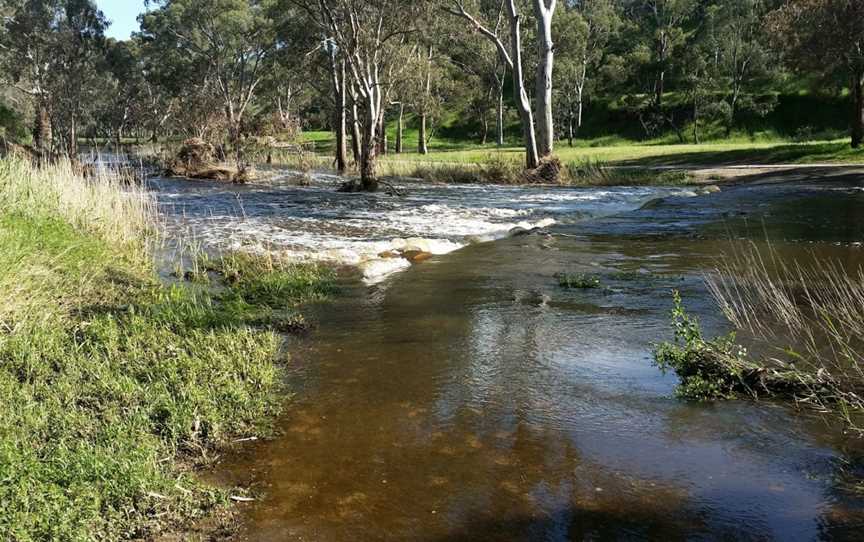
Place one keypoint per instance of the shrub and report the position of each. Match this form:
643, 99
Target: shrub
579, 281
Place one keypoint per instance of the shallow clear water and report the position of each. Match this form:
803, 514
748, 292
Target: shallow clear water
471, 398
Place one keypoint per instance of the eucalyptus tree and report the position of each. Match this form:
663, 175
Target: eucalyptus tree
426, 81
486, 72
511, 54
50, 49
586, 31
231, 41
121, 93
368, 35
309, 71
742, 59
826, 37
482, 78
664, 25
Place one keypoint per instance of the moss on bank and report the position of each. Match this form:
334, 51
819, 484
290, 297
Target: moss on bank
113, 384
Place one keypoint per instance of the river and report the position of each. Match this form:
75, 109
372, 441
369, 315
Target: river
470, 397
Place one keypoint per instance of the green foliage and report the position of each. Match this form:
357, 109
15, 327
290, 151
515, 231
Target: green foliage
581, 281
12, 124
708, 369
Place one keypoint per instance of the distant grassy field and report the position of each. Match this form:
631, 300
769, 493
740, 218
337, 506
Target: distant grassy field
802, 128
611, 151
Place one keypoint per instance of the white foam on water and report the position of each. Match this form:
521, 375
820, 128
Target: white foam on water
316, 223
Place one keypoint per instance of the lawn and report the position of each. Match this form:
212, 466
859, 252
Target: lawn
615, 151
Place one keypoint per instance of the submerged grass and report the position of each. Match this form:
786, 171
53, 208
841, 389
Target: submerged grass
579, 281
113, 384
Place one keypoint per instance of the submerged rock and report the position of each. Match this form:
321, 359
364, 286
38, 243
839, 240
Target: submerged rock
416, 256
378, 269
652, 203
710, 189
416, 244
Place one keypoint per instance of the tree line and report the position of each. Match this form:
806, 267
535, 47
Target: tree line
228, 70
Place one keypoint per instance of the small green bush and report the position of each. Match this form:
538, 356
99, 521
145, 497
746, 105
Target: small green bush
708, 369
580, 281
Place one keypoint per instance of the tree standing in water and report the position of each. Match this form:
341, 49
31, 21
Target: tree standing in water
368, 35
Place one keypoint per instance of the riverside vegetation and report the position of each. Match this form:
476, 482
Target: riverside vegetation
116, 385
805, 320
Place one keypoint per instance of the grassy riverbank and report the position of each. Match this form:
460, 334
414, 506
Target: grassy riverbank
599, 161
115, 385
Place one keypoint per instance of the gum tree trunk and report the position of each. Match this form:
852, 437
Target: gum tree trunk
382, 136
355, 131
422, 148
338, 81
543, 11
532, 160
72, 149
499, 113
42, 133
858, 116
368, 152
400, 128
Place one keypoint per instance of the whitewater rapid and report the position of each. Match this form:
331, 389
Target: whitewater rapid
314, 222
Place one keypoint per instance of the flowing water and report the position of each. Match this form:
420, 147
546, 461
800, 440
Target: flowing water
470, 397
316, 222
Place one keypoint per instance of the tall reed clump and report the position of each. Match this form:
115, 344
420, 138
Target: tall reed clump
592, 172
102, 209
102, 204
112, 383
809, 315
804, 324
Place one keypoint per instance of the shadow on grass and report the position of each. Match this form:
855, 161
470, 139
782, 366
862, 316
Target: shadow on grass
784, 154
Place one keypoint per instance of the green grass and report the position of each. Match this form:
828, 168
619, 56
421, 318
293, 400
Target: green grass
114, 384
453, 161
802, 128
730, 153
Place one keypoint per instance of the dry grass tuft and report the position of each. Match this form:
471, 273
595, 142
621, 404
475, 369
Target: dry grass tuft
809, 316
102, 204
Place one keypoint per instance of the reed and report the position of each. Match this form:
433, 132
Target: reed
805, 315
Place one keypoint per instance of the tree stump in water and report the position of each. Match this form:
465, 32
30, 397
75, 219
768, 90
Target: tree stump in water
548, 172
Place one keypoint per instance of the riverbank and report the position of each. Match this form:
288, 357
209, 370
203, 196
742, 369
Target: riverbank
117, 386
590, 163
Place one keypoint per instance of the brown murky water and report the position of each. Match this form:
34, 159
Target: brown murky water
471, 398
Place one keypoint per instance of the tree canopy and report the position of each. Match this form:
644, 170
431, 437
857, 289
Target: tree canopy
229, 70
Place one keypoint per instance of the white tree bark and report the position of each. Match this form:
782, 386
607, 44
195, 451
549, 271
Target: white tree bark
513, 59
544, 10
